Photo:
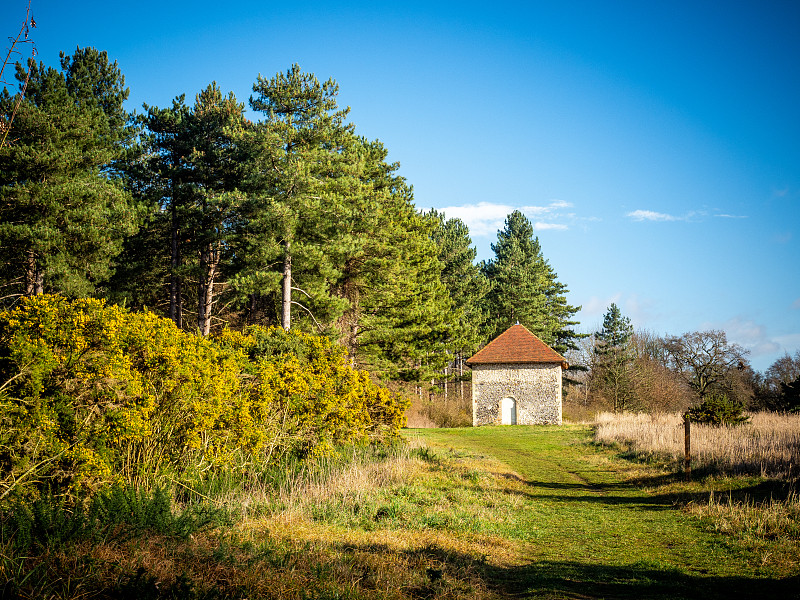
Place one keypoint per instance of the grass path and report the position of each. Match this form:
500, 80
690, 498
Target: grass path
590, 529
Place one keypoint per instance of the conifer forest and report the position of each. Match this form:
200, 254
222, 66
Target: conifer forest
287, 218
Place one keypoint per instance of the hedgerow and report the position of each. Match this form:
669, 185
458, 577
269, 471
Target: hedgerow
92, 394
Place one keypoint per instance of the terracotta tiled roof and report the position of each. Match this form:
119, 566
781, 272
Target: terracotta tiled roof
516, 345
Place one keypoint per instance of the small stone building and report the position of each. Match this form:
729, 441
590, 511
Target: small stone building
516, 380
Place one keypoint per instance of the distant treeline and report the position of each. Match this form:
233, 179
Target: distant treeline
620, 369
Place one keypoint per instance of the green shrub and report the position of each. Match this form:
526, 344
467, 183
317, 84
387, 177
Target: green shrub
717, 409
92, 395
115, 514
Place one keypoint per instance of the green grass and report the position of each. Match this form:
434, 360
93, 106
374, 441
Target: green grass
599, 526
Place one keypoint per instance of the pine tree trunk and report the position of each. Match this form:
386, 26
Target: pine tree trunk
209, 261
354, 347
461, 375
175, 304
286, 303
251, 310
34, 280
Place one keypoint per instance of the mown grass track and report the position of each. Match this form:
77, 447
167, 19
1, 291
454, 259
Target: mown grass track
596, 526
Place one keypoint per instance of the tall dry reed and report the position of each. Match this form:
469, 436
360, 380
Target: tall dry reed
356, 480
354, 474
769, 445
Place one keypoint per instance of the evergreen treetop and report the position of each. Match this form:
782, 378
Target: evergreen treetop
526, 288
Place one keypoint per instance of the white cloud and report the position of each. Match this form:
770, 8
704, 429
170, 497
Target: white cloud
487, 218
596, 307
790, 342
538, 226
750, 335
781, 192
640, 310
556, 204
484, 218
649, 215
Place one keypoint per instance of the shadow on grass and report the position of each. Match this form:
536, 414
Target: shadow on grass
631, 492
569, 579
566, 579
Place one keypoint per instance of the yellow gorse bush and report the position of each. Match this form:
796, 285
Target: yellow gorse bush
92, 393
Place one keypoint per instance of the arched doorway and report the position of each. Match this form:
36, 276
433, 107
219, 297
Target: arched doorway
508, 410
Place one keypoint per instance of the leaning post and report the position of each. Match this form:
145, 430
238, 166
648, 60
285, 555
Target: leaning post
687, 447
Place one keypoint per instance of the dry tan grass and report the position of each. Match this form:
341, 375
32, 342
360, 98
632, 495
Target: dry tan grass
771, 520
769, 445
286, 553
357, 479
436, 410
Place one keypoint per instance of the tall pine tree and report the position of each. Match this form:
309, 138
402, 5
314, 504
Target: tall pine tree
466, 285
64, 212
525, 288
406, 313
189, 173
214, 174
613, 364
294, 156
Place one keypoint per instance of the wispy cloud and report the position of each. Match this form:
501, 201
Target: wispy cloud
749, 334
780, 193
596, 307
782, 238
650, 215
486, 218
640, 310
695, 215
483, 218
538, 226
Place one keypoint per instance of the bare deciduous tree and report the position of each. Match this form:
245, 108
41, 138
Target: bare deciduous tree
706, 360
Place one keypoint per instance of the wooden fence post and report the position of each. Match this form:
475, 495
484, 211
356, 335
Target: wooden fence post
687, 445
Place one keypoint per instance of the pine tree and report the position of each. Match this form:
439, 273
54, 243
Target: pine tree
407, 313
525, 288
63, 208
213, 176
367, 236
466, 286
165, 183
614, 358
189, 174
151, 271
294, 156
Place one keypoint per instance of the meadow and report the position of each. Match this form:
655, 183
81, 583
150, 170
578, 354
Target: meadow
767, 445
535, 512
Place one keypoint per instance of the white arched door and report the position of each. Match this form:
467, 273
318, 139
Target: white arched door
508, 410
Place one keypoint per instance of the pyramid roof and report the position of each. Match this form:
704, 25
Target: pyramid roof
516, 345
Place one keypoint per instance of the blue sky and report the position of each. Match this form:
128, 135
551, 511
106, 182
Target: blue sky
654, 145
